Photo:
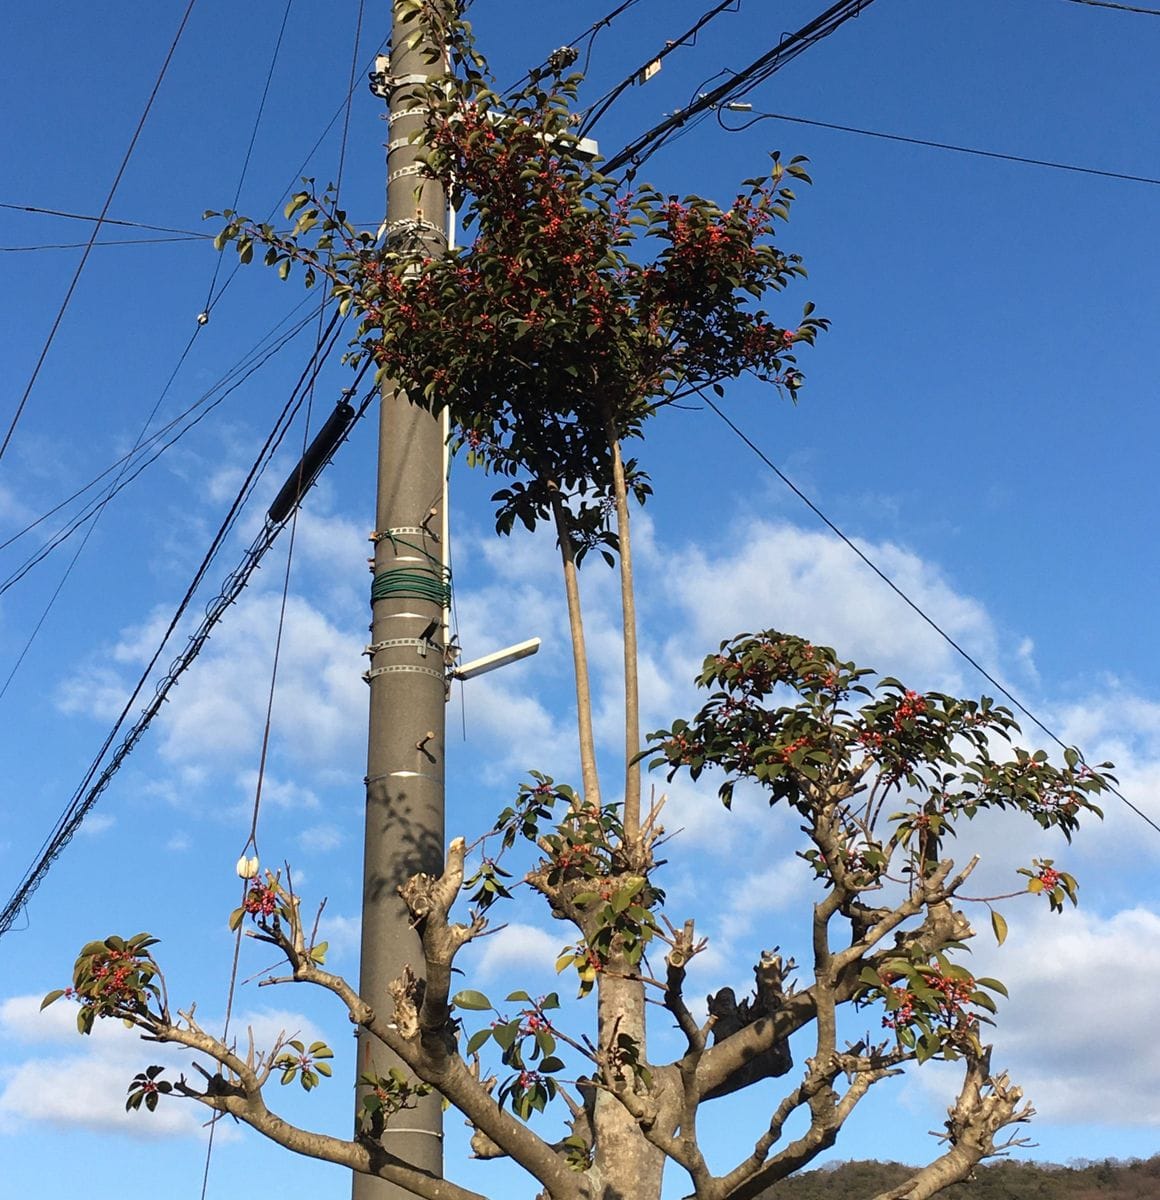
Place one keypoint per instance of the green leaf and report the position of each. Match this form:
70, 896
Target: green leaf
999, 925
51, 998
505, 1035
623, 898
993, 985
475, 1001
477, 1039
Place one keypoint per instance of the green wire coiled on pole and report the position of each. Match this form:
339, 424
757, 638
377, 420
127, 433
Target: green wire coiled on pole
413, 583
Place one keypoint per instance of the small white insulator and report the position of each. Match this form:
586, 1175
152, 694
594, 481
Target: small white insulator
203, 318
247, 868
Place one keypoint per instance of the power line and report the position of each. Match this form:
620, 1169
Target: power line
93, 512
93, 783
590, 34
1132, 8
738, 84
253, 138
950, 641
96, 229
72, 216
597, 110
154, 241
251, 362
913, 141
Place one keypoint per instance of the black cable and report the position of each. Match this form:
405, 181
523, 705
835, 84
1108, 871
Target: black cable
56, 212
738, 84
237, 375
912, 141
597, 110
95, 506
96, 229
253, 138
590, 33
950, 641
189, 237
1132, 8
206, 396
92, 785
353, 82
96, 509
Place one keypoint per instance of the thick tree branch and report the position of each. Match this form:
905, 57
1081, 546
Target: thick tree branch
240, 1095
985, 1105
587, 739
414, 1031
628, 618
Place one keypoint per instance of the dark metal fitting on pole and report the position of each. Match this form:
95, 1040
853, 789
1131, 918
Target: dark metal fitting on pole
415, 225
421, 744
383, 83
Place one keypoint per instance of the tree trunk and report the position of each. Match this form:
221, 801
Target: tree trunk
627, 1166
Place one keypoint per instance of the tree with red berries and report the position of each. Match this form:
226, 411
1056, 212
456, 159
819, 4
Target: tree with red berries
579, 308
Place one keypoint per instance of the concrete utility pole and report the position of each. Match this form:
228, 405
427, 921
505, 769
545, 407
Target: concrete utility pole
404, 798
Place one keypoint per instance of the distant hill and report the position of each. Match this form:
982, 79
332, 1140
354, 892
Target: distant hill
1110, 1179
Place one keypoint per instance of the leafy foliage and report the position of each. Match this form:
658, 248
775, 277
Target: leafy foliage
117, 977
579, 307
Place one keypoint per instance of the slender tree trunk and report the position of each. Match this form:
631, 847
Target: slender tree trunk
628, 617
589, 776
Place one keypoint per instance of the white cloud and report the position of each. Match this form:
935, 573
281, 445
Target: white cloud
321, 838
1076, 1034
518, 947
278, 793
1077, 1031
97, 823
342, 934
86, 1088
783, 577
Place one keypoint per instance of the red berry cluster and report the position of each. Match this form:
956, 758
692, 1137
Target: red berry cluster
261, 900
912, 705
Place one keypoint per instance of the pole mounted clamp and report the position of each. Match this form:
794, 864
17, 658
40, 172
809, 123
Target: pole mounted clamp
421, 645
386, 535
404, 669
405, 173
383, 83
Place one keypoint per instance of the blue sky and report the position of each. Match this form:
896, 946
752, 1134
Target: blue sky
981, 419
